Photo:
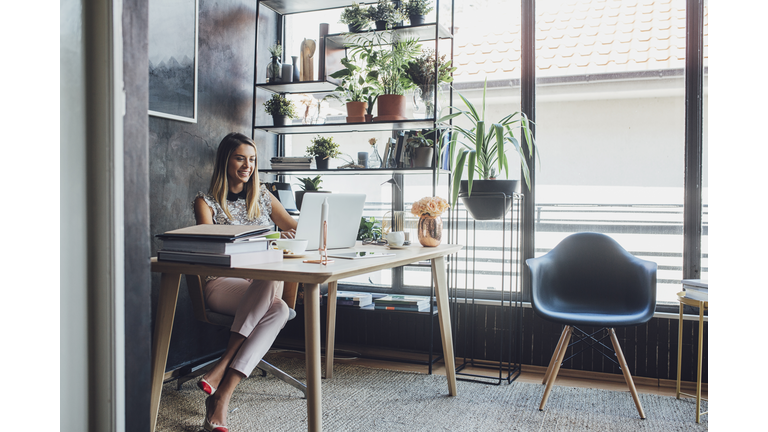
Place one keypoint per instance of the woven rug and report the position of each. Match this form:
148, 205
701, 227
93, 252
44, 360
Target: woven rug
366, 399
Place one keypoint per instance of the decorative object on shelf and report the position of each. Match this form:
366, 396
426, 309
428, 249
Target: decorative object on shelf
274, 67
362, 159
295, 64
386, 14
321, 51
323, 149
374, 161
308, 185
484, 152
307, 52
370, 229
422, 150
430, 228
350, 162
355, 17
281, 109
287, 75
421, 71
417, 9
310, 107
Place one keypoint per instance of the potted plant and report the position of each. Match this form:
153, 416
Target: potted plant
386, 15
323, 149
416, 10
421, 72
308, 185
355, 17
483, 153
370, 229
355, 89
280, 108
421, 149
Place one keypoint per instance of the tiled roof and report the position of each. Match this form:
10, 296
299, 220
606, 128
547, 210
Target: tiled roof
580, 37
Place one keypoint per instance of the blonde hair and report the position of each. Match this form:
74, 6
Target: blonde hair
220, 183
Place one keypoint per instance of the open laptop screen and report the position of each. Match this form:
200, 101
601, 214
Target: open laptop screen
344, 213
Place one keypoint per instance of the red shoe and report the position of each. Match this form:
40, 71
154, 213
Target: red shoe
212, 427
206, 387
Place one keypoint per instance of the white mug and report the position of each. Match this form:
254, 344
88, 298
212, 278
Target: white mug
396, 238
297, 246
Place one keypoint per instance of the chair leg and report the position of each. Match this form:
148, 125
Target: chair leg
556, 368
625, 371
554, 356
279, 374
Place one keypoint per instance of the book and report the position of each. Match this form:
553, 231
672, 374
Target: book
697, 295
251, 244
217, 232
291, 159
408, 308
404, 300
696, 289
353, 298
229, 260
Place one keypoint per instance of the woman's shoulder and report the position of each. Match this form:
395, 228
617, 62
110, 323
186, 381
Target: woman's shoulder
209, 200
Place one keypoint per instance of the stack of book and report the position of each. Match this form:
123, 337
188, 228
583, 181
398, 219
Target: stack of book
353, 298
291, 162
226, 245
696, 289
398, 302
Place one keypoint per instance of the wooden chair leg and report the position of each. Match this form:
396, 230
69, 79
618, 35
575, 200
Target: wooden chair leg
556, 368
554, 356
625, 371
330, 337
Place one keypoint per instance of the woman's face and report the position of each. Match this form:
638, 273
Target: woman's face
241, 165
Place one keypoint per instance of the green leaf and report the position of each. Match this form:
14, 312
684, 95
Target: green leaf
480, 137
457, 172
501, 156
471, 172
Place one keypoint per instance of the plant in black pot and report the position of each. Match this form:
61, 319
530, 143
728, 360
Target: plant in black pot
281, 109
386, 15
482, 149
417, 9
421, 149
323, 149
370, 229
308, 185
355, 17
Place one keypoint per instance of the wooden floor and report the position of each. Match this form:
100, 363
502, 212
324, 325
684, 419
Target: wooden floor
530, 374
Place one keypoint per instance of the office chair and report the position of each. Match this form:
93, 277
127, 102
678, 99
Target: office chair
590, 280
202, 313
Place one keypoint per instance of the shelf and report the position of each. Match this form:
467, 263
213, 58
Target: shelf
285, 7
348, 127
423, 32
299, 87
366, 171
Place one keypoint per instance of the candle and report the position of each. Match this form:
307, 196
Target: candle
323, 219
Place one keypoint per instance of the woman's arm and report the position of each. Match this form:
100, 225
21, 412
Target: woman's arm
203, 212
282, 219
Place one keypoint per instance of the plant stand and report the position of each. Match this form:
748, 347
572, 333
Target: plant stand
464, 308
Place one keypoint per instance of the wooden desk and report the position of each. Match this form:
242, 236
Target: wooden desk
702, 305
311, 275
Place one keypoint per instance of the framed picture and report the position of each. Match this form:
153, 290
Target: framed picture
173, 59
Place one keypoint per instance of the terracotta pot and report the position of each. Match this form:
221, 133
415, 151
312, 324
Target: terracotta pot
390, 108
356, 112
368, 118
422, 157
430, 230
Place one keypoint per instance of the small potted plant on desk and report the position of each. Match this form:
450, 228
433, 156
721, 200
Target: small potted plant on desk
417, 10
483, 153
281, 109
422, 150
323, 149
386, 15
355, 17
308, 185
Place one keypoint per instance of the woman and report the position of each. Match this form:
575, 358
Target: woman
236, 197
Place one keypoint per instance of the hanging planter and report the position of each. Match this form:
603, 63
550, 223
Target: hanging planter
486, 201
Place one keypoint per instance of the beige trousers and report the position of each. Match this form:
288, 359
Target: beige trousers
259, 313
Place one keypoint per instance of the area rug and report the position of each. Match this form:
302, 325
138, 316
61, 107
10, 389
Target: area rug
366, 399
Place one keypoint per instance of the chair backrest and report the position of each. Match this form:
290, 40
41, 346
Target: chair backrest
201, 312
590, 273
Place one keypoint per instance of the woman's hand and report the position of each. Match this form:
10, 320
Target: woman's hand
291, 233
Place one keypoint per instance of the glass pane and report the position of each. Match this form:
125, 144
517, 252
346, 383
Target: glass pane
705, 156
610, 127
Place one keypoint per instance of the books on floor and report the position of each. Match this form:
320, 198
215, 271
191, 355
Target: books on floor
696, 289
353, 298
398, 302
227, 245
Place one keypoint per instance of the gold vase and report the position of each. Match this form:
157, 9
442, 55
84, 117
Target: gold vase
430, 230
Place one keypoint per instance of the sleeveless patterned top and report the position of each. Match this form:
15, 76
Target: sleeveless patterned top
238, 209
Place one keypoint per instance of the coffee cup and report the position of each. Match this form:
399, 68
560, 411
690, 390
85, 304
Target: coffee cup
396, 238
297, 246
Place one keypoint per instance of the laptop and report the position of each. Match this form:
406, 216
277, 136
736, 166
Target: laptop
344, 213
284, 194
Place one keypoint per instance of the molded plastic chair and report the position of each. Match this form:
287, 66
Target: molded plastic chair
202, 313
590, 280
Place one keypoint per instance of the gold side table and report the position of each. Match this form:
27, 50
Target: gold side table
703, 306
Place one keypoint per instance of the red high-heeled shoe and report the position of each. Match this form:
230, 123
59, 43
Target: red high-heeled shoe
212, 427
206, 387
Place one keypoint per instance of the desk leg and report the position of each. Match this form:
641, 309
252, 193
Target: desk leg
444, 315
679, 349
698, 369
330, 328
166, 308
312, 353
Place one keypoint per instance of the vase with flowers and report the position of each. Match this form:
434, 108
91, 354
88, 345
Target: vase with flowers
374, 161
429, 211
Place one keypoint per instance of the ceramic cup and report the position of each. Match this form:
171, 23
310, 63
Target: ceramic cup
297, 246
396, 238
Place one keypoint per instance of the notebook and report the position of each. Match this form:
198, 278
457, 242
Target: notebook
344, 213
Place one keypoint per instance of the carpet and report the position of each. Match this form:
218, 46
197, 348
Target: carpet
366, 399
